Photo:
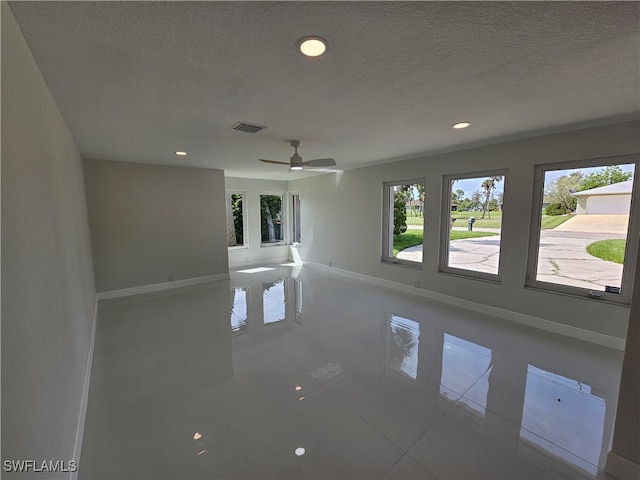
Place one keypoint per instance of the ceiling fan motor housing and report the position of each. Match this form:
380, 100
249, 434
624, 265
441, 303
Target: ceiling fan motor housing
295, 158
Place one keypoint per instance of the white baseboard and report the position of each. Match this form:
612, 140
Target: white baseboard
521, 318
621, 468
255, 262
157, 287
84, 401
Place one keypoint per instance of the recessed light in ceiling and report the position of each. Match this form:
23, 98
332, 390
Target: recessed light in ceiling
460, 125
181, 154
312, 46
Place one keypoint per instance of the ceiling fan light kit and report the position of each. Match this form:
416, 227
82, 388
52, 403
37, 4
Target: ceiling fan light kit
296, 162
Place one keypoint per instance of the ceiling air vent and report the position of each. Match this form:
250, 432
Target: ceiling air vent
247, 127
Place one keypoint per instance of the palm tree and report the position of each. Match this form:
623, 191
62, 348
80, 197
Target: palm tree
488, 186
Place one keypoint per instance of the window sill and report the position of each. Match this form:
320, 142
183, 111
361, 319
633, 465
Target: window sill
274, 244
402, 263
471, 275
608, 298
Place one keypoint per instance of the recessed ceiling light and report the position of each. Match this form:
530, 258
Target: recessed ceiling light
312, 46
460, 125
182, 154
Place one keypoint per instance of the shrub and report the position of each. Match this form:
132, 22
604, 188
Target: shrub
555, 209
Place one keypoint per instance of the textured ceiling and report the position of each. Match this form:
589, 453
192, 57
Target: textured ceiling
136, 81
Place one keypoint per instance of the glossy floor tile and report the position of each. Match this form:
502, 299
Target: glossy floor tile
289, 372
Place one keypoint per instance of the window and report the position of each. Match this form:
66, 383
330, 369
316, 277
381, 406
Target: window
295, 211
235, 219
472, 224
582, 242
271, 219
403, 222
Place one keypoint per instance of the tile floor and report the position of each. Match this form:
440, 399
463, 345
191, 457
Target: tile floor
289, 372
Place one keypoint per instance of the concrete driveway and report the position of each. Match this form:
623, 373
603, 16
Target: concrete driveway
595, 224
563, 257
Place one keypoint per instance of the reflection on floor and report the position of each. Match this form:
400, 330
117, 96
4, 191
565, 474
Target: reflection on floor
286, 372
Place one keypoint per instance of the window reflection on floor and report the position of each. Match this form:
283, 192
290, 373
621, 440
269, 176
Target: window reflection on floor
298, 299
402, 346
565, 412
463, 363
239, 311
273, 301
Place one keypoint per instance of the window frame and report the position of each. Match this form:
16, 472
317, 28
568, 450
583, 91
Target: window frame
283, 213
633, 234
387, 225
445, 220
245, 237
295, 219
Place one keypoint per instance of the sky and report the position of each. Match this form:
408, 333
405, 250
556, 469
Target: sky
470, 185
551, 176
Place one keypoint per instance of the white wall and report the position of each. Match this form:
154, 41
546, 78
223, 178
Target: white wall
342, 222
48, 292
153, 224
626, 438
253, 252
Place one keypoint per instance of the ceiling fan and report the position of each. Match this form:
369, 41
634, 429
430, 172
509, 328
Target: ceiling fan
296, 162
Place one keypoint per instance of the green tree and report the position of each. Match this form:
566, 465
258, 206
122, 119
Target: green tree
560, 190
236, 207
400, 198
270, 217
457, 196
421, 196
465, 205
607, 176
475, 200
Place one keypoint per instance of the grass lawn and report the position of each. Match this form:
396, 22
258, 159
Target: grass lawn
548, 221
552, 221
612, 250
462, 217
414, 220
411, 238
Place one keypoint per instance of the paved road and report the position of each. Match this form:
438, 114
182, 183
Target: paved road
563, 258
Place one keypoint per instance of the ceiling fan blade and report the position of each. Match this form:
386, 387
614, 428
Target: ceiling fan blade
320, 162
273, 161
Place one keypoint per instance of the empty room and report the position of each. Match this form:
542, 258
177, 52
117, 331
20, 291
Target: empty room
320, 240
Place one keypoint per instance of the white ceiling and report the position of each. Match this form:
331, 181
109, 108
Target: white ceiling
136, 81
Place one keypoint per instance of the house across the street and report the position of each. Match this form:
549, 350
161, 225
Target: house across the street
612, 199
